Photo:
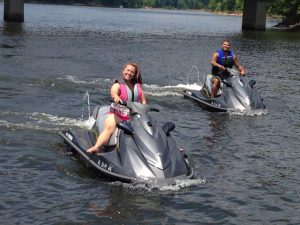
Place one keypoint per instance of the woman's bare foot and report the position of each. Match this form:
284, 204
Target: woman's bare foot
93, 150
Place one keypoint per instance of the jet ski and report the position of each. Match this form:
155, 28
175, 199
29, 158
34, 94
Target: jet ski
235, 94
140, 149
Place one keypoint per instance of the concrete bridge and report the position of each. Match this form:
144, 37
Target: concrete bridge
14, 10
254, 13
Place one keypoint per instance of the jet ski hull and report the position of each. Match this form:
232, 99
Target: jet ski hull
96, 161
108, 164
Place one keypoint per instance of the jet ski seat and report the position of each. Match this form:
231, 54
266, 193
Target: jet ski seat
207, 84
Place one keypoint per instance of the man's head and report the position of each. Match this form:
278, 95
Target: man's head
225, 45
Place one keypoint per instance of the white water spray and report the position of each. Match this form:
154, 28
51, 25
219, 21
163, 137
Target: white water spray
86, 101
193, 71
86, 98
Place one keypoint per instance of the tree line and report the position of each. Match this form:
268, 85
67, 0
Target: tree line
288, 9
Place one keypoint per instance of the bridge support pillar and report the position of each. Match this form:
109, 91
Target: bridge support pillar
14, 10
254, 15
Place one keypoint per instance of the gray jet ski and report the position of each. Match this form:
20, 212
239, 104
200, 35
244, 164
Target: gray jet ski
235, 94
140, 149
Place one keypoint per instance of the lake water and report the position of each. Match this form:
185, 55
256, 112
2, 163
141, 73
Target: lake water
247, 166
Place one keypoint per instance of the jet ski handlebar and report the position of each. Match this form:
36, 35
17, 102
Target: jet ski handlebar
136, 106
120, 102
228, 72
150, 108
223, 74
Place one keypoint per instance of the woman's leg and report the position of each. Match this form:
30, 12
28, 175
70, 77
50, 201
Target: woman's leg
109, 128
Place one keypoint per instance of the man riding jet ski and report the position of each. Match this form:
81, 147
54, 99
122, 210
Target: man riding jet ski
235, 94
139, 149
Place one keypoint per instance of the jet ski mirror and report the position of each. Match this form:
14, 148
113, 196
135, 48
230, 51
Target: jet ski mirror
153, 109
95, 112
125, 127
252, 83
168, 127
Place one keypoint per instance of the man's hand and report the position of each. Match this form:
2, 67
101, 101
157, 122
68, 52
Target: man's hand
242, 71
222, 68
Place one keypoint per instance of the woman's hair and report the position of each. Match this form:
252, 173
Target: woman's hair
138, 75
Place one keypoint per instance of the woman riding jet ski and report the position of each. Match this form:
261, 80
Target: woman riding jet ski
139, 149
235, 94
130, 144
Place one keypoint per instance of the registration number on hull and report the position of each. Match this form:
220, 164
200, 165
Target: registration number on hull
104, 165
216, 104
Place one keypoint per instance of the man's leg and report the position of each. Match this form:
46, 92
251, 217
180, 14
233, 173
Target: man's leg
215, 85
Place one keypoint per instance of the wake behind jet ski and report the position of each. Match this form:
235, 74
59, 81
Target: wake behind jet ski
139, 149
235, 94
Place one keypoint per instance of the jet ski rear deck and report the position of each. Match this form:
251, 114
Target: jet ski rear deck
208, 104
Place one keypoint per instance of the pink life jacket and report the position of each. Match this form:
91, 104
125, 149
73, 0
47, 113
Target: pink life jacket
128, 95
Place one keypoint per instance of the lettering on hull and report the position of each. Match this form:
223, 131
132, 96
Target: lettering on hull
105, 165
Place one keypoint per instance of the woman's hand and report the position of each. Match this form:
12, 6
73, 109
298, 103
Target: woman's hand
117, 99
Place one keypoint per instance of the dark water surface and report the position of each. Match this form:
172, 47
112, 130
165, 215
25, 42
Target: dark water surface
247, 166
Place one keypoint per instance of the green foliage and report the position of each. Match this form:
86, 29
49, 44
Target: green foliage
290, 10
284, 7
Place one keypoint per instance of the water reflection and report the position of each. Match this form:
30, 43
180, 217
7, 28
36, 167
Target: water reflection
13, 28
272, 34
121, 205
217, 122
